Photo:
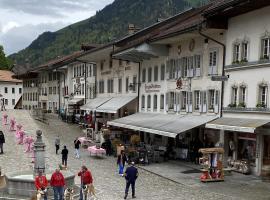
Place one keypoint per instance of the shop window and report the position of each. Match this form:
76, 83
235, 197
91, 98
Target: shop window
247, 147
155, 102
143, 102
162, 102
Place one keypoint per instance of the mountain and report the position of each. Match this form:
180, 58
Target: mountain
108, 24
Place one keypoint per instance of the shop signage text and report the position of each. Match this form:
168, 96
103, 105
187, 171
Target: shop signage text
152, 88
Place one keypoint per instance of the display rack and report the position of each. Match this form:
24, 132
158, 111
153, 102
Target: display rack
212, 164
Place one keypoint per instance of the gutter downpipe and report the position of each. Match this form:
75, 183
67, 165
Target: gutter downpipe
223, 67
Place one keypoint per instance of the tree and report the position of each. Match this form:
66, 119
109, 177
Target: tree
5, 63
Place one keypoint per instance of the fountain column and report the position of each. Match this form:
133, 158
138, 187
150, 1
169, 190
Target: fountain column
39, 154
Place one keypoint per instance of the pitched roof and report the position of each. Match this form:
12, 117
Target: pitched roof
6, 76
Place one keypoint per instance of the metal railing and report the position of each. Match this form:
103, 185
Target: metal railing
242, 109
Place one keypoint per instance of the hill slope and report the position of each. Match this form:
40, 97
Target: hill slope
108, 24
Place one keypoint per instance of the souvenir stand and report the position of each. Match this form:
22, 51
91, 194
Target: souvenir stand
212, 164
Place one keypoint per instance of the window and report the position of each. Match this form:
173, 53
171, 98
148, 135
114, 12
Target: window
13, 102
190, 67
236, 52
263, 92
50, 90
155, 102
171, 100
134, 83
143, 75
162, 102
185, 66
110, 85
101, 86
149, 74
149, 102
245, 51
6, 90
120, 85
156, 73
6, 101
171, 69
265, 48
101, 65
50, 76
20, 90
234, 95
197, 65
127, 83
82, 91
54, 90
143, 102
211, 99
184, 100
162, 72
212, 63
197, 99
242, 97
13, 90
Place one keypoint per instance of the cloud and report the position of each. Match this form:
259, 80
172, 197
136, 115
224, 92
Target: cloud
18, 38
52, 8
5, 28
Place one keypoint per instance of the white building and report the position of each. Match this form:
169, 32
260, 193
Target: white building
246, 96
177, 96
10, 89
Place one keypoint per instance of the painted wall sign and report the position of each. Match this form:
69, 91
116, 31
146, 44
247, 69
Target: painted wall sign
152, 88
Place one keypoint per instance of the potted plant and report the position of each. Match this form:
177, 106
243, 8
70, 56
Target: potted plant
260, 105
242, 105
232, 105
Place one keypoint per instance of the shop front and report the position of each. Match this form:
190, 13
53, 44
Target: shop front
166, 136
245, 143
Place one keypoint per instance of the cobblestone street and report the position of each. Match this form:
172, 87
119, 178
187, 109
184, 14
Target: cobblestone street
109, 185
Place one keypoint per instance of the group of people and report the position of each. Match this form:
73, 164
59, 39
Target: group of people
64, 151
58, 184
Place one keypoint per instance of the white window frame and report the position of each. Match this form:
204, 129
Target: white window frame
213, 62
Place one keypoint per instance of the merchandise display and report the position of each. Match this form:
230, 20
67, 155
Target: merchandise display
212, 164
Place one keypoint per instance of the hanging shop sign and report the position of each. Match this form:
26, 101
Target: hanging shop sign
152, 88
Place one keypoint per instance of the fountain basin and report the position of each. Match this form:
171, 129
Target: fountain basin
22, 183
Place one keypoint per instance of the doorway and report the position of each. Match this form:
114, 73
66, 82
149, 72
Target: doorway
266, 156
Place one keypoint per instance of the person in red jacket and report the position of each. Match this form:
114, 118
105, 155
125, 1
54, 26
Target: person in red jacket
41, 183
86, 179
58, 183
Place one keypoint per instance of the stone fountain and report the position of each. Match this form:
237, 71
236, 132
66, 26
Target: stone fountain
22, 183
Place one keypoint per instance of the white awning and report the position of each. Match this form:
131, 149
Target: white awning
93, 104
115, 103
237, 124
74, 101
169, 125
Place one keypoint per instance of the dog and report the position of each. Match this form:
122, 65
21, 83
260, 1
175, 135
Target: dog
39, 195
68, 194
88, 191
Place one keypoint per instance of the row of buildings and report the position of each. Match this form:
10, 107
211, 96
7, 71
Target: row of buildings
201, 74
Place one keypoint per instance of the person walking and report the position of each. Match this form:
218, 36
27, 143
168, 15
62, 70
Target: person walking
64, 156
41, 184
131, 175
86, 179
2, 141
57, 144
77, 145
121, 161
58, 183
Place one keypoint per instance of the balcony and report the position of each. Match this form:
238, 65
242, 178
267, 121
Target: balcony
246, 110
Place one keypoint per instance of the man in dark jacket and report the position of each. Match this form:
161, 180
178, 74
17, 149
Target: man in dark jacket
2, 141
131, 175
64, 156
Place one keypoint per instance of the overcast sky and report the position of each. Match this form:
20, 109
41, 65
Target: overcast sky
21, 21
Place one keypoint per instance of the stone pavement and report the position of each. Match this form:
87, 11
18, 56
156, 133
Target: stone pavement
109, 185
